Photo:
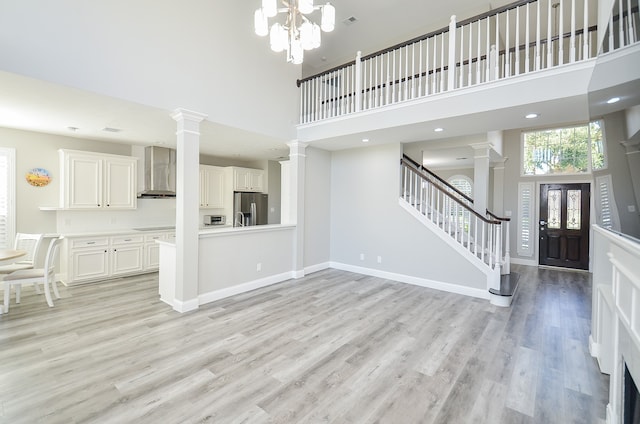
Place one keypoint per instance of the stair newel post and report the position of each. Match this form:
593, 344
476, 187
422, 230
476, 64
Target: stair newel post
506, 269
358, 84
498, 247
451, 84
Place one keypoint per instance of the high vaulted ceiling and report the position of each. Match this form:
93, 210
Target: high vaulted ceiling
31, 104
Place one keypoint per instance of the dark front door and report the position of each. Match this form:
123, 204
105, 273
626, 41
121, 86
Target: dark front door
564, 225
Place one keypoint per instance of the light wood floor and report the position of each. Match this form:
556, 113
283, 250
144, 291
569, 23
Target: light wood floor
332, 347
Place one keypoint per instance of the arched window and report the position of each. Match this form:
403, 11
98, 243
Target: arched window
462, 183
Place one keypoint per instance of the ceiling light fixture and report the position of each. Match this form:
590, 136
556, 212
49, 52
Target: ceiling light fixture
531, 116
438, 129
297, 33
365, 140
613, 100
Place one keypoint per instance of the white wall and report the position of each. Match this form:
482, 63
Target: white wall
366, 218
38, 150
317, 207
201, 55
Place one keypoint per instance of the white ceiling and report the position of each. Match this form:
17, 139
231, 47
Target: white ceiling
36, 105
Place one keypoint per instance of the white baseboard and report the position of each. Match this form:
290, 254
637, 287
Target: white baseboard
245, 287
594, 348
528, 262
186, 306
317, 267
611, 416
416, 281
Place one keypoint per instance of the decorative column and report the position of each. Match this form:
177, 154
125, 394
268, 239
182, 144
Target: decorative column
481, 161
187, 209
498, 188
633, 158
296, 170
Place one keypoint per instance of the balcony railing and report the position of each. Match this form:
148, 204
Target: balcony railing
520, 38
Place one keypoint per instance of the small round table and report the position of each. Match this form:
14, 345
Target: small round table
7, 256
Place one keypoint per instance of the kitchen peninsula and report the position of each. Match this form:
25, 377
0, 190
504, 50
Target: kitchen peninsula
231, 260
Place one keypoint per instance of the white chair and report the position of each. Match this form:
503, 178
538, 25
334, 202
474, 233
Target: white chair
44, 276
29, 242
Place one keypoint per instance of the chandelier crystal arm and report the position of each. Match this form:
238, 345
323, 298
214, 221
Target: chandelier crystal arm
298, 33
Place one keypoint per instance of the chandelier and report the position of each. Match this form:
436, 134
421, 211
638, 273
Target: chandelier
297, 33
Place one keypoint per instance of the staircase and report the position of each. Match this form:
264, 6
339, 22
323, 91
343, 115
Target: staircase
481, 239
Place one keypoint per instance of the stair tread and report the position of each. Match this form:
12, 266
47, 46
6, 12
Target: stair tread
508, 285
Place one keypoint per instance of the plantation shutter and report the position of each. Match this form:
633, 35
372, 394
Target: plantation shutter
606, 209
526, 206
7, 197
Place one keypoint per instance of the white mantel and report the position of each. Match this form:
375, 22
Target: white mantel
615, 324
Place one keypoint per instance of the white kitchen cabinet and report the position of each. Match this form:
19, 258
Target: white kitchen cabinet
97, 181
87, 258
127, 254
211, 187
247, 179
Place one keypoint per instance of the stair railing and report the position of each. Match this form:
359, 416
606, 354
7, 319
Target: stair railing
505, 223
513, 40
480, 236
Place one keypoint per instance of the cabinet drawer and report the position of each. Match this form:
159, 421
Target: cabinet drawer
126, 239
148, 238
82, 243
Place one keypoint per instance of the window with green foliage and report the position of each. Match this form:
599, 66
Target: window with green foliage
573, 150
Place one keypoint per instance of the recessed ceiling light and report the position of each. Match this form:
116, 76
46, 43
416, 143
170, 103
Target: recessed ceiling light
613, 100
438, 129
110, 129
365, 140
531, 116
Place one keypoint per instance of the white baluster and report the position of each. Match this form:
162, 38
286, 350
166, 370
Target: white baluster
493, 63
413, 70
549, 33
585, 32
561, 35
507, 54
621, 42
479, 56
406, 72
435, 64
420, 93
475, 236
451, 84
611, 33
631, 23
470, 56
527, 49
487, 72
517, 65
572, 42
442, 87
358, 81
496, 71
393, 79
426, 67
538, 47
461, 82
483, 247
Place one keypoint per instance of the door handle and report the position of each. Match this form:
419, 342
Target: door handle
543, 222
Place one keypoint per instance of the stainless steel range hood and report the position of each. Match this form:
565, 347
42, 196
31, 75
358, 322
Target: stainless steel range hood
159, 172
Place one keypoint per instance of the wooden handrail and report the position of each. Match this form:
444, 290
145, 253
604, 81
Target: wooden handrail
496, 217
421, 38
410, 163
421, 167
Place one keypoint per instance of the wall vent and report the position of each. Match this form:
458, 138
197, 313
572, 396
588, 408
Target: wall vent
350, 20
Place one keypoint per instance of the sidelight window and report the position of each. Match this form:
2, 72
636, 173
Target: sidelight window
7, 197
572, 150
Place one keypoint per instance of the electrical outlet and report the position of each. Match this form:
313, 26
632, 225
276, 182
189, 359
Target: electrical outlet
259, 267
631, 208
379, 259
362, 256
507, 213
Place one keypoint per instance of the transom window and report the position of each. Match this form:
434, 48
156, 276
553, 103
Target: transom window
572, 150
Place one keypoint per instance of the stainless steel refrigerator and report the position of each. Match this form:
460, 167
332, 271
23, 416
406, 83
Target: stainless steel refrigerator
249, 209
